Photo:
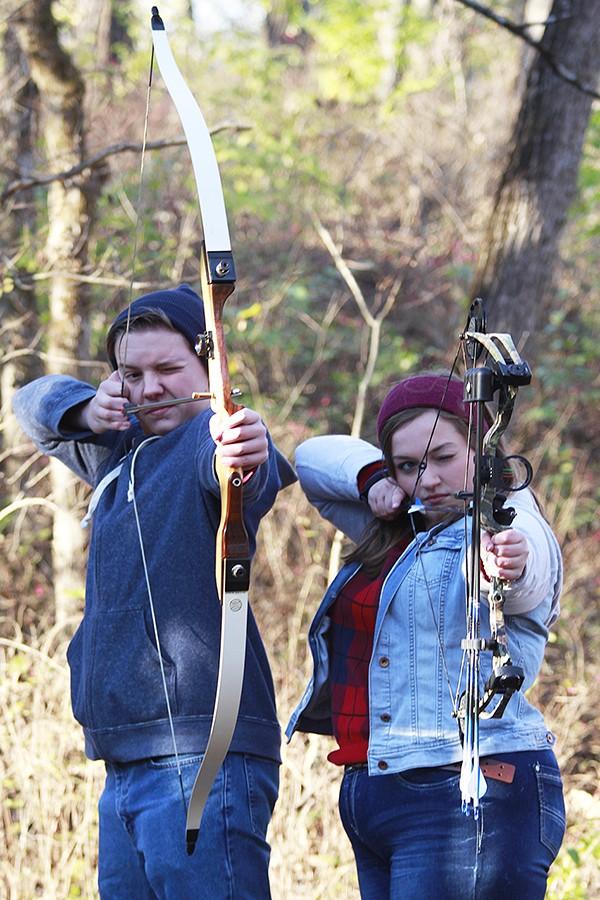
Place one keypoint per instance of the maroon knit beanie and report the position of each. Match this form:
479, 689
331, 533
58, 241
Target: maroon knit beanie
428, 391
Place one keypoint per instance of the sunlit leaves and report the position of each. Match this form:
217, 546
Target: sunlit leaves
360, 50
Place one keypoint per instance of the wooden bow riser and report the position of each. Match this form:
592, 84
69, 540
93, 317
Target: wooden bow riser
232, 567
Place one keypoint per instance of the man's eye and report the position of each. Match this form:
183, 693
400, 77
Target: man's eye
132, 376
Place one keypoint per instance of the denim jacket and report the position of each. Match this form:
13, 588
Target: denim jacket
421, 611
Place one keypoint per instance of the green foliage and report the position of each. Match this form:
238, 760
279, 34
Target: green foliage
274, 168
568, 395
587, 206
6, 286
353, 117
570, 874
295, 156
356, 43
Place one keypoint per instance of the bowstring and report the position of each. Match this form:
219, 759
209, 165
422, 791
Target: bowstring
136, 235
454, 693
163, 675
411, 517
136, 230
423, 461
471, 734
436, 624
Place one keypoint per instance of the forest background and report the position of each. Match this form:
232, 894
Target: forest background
383, 162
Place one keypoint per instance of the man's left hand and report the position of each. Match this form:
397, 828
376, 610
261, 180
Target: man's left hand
241, 439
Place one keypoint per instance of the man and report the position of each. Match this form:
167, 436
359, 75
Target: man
144, 660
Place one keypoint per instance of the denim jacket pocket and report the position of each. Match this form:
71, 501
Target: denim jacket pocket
552, 807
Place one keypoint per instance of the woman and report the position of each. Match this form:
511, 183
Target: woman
386, 646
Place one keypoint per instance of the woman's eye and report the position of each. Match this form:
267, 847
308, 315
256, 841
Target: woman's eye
406, 467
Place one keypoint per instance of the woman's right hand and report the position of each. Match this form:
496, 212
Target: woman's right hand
385, 499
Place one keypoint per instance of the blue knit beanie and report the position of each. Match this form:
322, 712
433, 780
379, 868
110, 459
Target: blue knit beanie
182, 306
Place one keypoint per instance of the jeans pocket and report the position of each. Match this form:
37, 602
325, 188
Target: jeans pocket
552, 807
262, 781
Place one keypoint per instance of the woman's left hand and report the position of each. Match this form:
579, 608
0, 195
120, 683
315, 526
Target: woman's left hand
241, 439
504, 554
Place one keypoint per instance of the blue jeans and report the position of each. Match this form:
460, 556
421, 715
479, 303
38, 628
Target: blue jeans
412, 841
142, 852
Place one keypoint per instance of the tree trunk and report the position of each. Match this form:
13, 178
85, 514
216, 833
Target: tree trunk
19, 326
70, 207
540, 181
388, 17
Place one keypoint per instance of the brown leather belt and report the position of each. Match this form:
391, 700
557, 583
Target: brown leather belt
491, 768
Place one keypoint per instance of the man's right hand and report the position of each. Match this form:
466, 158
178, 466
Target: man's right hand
105, 411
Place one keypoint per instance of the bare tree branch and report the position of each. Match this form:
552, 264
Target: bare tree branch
22, 184
521, 32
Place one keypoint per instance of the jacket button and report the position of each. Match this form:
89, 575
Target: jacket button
382, 765
385, 717
384, 662
550, 737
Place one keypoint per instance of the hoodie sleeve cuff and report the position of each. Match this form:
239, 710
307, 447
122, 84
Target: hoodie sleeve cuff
370, 475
